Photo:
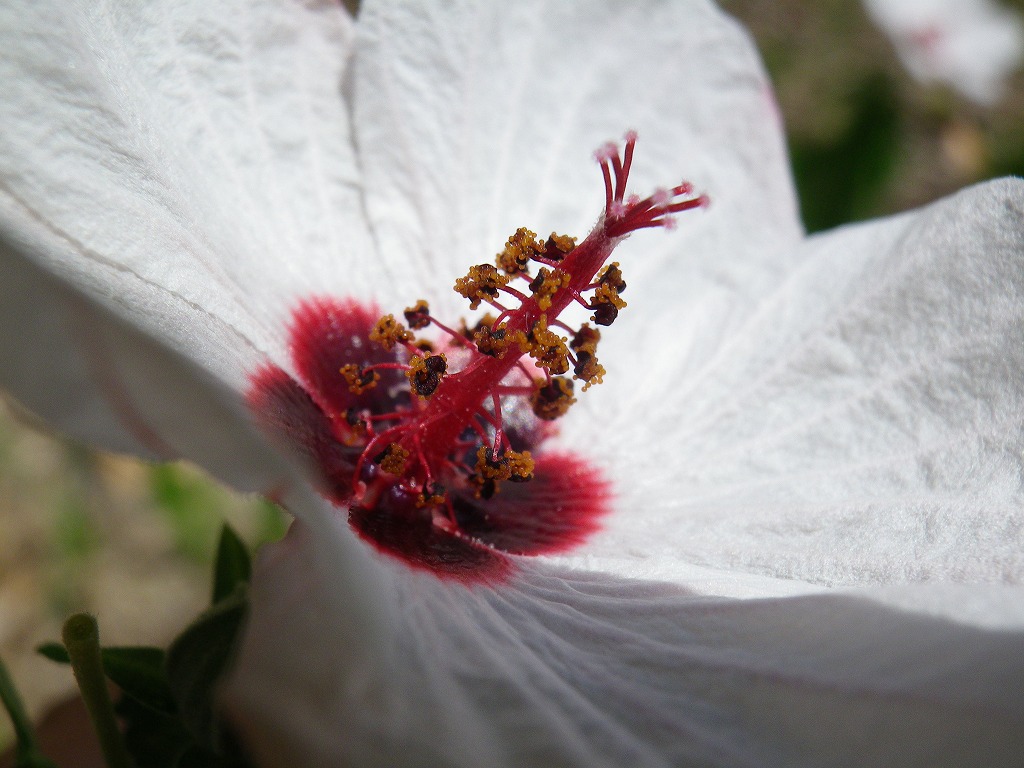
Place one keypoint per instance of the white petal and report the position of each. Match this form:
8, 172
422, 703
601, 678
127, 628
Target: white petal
103, 381
476, 118
864, 428
185, 166
974, 45
562, 668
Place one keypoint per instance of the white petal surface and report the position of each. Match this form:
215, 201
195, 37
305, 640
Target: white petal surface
563, 668
185, 166
864, 428
974, 45
476, 118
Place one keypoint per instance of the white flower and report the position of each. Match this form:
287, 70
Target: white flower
973, 45
829, 428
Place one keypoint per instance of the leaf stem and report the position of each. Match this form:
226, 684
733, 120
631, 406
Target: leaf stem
27, 749
82, 640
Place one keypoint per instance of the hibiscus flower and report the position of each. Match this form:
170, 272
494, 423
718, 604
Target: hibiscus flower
813, 446
973, 45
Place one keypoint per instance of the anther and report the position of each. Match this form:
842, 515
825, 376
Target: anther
393, 459
388, 332
585, 338
519, 250
587, 369
604, 313
547, 283
548, 349
558, 246
495, 342
611, 276
552, 399
481, 283
418, 315
358, 379
425, 373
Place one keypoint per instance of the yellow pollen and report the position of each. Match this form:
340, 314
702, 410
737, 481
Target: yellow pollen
588, 370
608, 294
357, 379
495, 342
490, 473
548, 348
612, 275
481, 283
432, 500
563, 243
519, 250
395, 458
388, 332
418, 315
547, 284
425, 374
552, 400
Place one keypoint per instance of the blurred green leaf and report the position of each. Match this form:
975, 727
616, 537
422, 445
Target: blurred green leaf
842, 181
192, 507
273, 522
137, 670
197, 659
232, 567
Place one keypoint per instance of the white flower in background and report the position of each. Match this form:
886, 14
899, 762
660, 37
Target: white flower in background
973, 45
814, 552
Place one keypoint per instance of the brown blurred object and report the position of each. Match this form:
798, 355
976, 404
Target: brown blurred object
66, 737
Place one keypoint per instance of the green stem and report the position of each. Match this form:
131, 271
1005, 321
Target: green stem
82, 639
27, 749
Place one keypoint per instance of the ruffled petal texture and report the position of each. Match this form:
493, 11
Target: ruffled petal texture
184, 169
787, 419
475, 118
865, 427
569, 668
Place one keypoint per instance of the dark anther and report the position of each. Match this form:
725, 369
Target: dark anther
418, 316
489, 341
613, 277
427, 378
538, 281
583, 360
352, 417
381, 456
586, 337
487, 489
553, 399
552, 252
605, 313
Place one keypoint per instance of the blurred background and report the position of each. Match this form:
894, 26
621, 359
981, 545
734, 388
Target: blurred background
133, 542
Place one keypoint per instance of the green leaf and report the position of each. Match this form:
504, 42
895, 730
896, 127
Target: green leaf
191, 505
233, 566
843, 181
197, 659
54, 652
138, 671
153, 739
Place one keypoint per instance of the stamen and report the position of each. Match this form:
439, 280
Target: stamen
515, 360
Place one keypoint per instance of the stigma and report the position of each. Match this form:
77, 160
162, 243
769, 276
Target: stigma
427, 431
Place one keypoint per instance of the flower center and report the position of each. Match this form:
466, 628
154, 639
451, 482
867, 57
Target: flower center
453, 429
427, 444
